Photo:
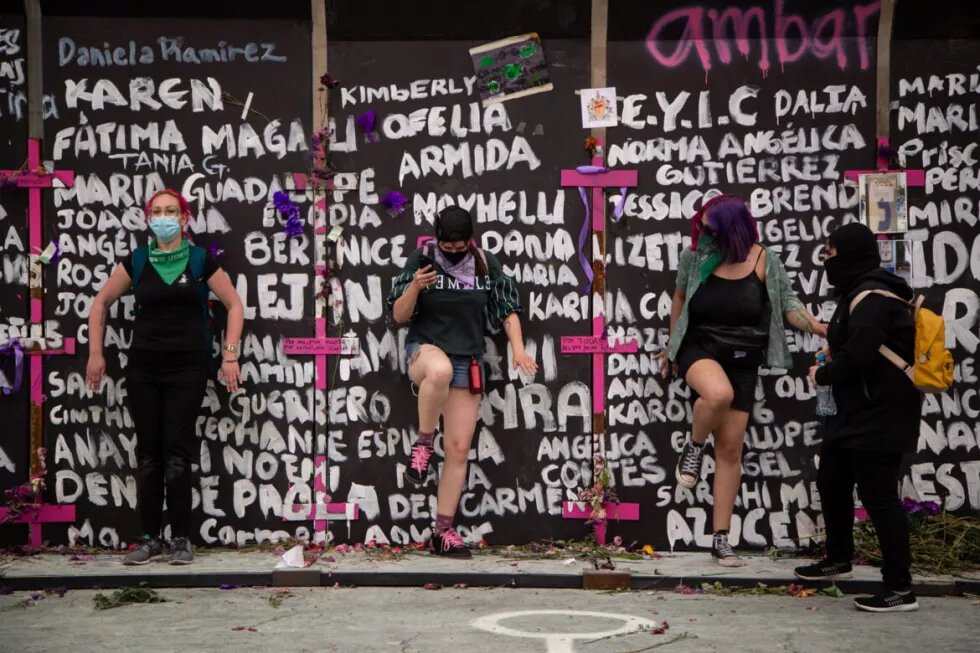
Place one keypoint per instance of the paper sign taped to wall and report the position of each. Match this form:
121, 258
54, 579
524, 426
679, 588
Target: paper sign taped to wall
598, 107
510, 68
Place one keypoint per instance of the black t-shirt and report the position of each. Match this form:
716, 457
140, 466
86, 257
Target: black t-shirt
453, 317
170, 318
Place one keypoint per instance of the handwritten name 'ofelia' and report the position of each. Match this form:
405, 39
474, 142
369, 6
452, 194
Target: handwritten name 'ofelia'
167, 48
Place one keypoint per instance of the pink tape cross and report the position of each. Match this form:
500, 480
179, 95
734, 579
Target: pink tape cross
617, 511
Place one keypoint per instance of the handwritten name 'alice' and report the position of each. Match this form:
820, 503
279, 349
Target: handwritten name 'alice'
167, 49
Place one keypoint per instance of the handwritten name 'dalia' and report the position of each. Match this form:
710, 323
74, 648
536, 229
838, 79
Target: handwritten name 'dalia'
173, 49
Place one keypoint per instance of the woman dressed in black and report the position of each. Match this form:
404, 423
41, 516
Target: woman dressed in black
877, 420
169, 365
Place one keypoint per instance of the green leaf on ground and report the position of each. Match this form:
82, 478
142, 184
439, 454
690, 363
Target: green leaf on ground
832, 591
127, 595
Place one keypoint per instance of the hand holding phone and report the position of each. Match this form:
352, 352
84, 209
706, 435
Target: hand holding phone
425, 276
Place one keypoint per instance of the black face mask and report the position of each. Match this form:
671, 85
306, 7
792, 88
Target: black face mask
857, 254
836, 272
455, 257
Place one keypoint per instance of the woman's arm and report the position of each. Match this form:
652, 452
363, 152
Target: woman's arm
676, 306
117, 284
512, 327
801, 320
220, 285
794, 312
404, 306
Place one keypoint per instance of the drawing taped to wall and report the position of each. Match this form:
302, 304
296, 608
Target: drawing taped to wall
510, 68
598, 107
884, 205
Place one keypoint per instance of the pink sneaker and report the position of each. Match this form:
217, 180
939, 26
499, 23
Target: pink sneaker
449, 544
418, 468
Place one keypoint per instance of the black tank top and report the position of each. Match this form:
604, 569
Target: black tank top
730, 302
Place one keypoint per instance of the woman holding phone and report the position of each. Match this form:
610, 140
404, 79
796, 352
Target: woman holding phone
451, 295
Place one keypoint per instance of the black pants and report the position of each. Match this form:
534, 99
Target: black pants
876, 475
166, 390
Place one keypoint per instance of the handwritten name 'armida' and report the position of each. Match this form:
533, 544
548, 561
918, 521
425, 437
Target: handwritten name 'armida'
173, 49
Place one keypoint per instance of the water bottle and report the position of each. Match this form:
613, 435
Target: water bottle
826, 406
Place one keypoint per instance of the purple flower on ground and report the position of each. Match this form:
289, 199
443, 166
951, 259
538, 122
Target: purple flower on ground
914, 507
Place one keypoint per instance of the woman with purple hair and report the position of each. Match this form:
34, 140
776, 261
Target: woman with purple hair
727, 319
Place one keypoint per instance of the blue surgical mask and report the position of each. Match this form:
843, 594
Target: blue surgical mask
165, 229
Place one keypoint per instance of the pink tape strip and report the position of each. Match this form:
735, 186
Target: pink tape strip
44, 515
34, 195
912, 177
34, 239
598, 207
598, 369
31, 180
621, 511
299, 180
617, 178
321, 359
49, 513
882, 156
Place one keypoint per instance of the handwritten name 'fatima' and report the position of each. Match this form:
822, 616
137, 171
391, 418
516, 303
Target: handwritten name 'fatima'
172, 49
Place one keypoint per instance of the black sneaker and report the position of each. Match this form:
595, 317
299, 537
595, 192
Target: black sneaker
824, 570
150, 548
723, 553
418, 468
181, 552
688, 470
887, 601
449, 544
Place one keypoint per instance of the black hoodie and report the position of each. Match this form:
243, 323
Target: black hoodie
878, 408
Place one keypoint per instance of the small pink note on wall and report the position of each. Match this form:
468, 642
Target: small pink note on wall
596, 345
321, 346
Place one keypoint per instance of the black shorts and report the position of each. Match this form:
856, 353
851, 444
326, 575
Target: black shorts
742, 369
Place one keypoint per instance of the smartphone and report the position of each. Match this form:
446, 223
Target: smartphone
424, 261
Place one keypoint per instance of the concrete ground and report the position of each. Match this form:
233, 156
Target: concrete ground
214, 567
366, 620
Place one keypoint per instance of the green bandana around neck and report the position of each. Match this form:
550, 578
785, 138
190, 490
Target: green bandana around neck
169, 265
707, 247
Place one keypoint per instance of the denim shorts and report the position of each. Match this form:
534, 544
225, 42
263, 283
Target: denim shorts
461, 367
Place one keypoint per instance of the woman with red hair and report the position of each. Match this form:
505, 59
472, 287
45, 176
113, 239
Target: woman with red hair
169, 365
727, 319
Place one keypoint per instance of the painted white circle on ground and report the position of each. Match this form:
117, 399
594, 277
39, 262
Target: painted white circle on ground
561, 642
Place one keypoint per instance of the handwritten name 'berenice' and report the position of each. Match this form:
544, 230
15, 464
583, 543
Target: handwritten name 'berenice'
172, 49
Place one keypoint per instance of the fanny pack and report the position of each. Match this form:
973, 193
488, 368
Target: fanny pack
750, 339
